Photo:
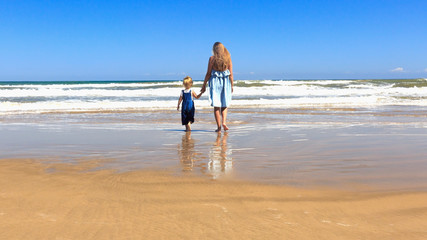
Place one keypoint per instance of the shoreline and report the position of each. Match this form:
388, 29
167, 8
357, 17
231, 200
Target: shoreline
391, 110
70, 201
340, 148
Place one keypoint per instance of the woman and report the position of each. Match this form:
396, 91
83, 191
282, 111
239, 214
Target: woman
220, 76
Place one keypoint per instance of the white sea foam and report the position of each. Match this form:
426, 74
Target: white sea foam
287, 89
44, 97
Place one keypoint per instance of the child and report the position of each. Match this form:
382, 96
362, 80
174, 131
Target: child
187, 110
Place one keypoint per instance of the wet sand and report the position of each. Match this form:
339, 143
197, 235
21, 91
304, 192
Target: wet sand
362, 149
277, 174
70, 201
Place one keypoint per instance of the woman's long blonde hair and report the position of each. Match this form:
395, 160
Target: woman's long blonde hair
221, 57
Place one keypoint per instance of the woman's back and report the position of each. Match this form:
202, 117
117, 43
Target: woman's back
220, 78
221, 59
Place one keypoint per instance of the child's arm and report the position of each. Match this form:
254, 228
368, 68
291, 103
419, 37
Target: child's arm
195, 95
179, 102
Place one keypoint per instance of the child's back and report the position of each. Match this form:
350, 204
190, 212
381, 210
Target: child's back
188, 109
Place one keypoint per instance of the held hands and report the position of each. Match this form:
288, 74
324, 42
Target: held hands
202, 90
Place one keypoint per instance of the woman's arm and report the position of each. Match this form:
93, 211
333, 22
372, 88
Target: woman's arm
231, 75
208, 74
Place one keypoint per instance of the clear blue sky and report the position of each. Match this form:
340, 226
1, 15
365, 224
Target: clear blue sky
139, 40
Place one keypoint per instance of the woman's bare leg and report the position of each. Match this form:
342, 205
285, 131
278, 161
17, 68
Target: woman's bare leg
217, 118
224, 111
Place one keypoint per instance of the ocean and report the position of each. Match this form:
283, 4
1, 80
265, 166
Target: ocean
343, 133
82, 96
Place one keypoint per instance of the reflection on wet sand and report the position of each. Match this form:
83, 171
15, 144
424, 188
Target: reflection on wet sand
219, 156
186, 152
220, 160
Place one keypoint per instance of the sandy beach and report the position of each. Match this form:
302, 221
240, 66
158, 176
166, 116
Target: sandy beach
294, 174
341, 148
310, 120
62, 201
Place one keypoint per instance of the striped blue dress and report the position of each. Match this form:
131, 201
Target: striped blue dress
220, 88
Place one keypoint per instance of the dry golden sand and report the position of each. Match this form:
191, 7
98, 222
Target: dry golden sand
39, 201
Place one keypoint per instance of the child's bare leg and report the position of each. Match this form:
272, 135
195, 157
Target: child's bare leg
187, 127
224, 111
217, 118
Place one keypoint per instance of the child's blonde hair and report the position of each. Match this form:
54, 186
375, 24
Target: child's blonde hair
188, 82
